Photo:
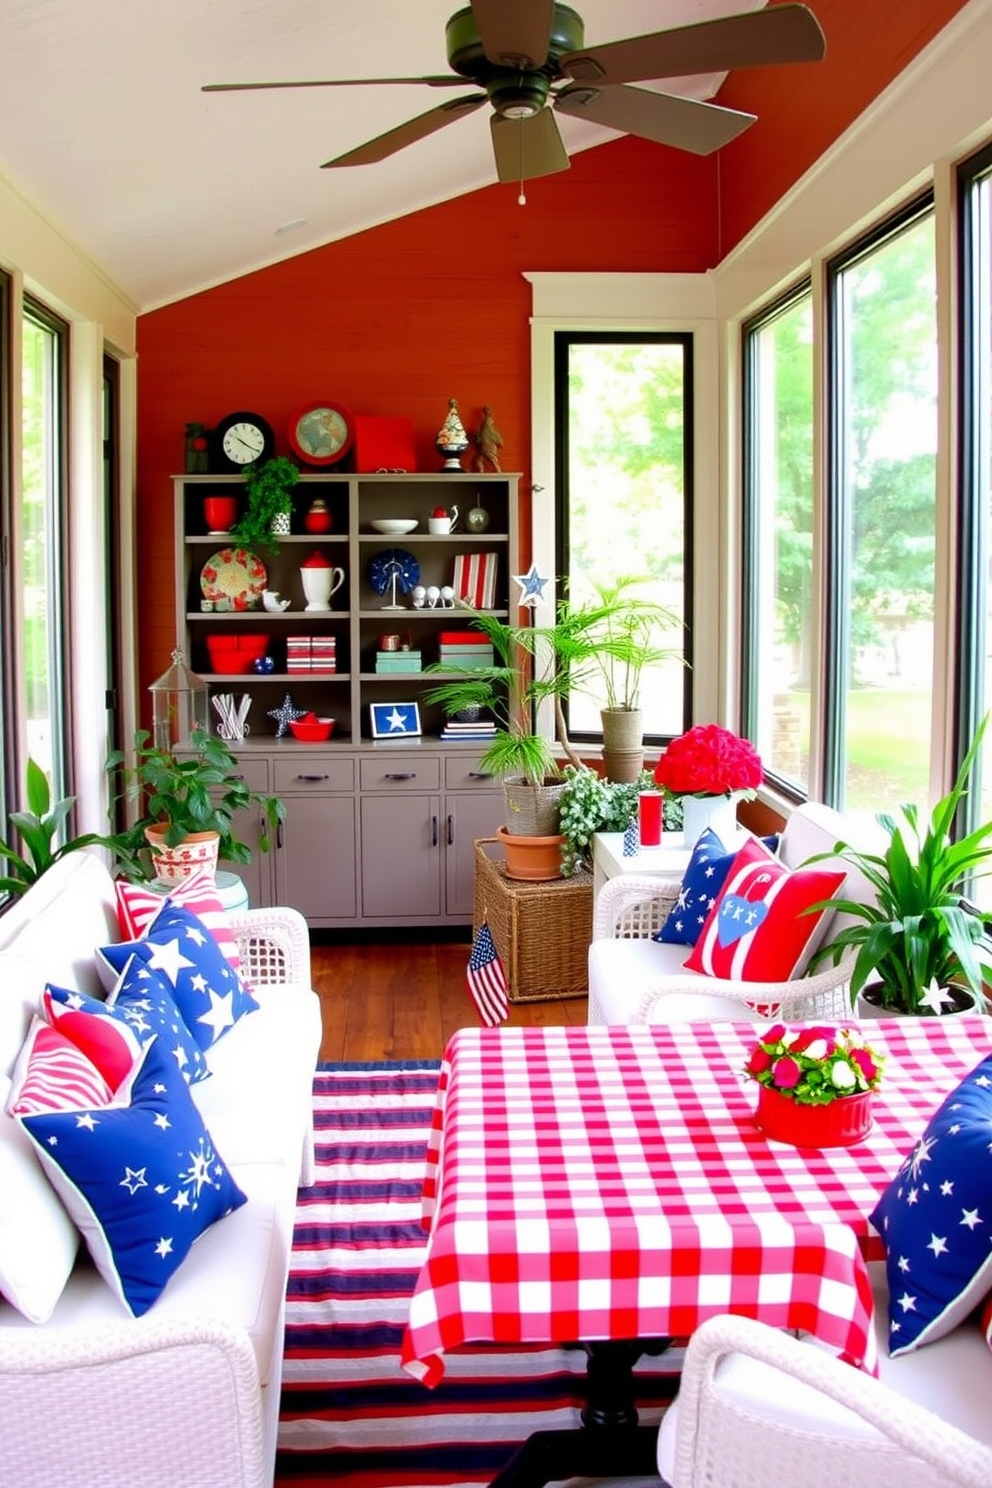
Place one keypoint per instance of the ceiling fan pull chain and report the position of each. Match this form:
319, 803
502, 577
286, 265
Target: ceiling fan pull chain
521, 199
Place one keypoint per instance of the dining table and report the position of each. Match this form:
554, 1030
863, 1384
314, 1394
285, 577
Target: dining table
608, 1186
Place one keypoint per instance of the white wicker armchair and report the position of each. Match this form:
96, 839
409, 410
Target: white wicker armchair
759, 1409
632, 908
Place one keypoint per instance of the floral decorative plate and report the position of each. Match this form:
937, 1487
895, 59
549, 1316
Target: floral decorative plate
234, 578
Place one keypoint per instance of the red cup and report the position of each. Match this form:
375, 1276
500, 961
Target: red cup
220, 512
649, 817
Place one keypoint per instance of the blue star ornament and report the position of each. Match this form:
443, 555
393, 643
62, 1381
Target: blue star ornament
285, 715
532, 586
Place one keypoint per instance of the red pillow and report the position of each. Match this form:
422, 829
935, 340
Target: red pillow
137, 906
756, 931
51, 1074
107, 1041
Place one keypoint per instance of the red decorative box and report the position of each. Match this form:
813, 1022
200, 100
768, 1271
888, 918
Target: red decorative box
383, 444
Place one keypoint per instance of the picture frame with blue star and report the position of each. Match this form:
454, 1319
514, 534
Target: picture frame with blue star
394, 720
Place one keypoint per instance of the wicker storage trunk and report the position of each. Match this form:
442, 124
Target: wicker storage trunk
541, 930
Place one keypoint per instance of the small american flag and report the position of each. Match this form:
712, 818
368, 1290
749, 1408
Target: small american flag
632, 839
487, 980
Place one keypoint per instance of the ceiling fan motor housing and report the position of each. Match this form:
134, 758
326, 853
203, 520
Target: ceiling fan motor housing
467, 57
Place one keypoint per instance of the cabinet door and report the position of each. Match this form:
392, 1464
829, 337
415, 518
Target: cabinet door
401, 856
315, 862
467, 817
256, 875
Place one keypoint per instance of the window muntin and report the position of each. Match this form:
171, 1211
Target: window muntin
624, 421
778, 496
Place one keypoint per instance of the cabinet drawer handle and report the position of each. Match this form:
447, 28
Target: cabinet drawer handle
313, 778
433, 831
279, 834
479, 775
451, 829
410, 775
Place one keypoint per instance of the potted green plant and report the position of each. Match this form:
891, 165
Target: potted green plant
38, 829
920, 948
189, 794
606, 643
526, 673
267, 513
590, 803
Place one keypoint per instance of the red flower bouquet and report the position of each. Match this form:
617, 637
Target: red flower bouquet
709, 761
815, 1065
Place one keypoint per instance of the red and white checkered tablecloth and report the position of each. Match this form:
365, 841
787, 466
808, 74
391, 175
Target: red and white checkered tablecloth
610, 1182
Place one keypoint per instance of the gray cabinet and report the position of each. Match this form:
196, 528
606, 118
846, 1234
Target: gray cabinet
315, 860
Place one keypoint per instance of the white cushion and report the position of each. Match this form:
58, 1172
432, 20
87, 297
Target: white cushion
952, 1378
58, 924
234, 1274
621, 971
257, 1101
38, 1241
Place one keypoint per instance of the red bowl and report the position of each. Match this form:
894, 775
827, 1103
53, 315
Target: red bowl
231, 660
312, 730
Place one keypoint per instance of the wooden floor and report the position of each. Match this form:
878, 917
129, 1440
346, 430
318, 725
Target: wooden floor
403, 999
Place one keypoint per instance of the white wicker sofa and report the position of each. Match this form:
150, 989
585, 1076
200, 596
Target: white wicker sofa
636, 979
188, 1393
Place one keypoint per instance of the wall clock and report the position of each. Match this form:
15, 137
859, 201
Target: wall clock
239, 440
322, 433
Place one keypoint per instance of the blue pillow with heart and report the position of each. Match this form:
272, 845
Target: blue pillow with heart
143, 1000
180, 948
936, 1219
140, 1177
699, 890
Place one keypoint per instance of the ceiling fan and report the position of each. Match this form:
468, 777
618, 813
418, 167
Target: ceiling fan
519, 52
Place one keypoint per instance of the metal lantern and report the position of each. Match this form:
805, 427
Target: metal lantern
180, 703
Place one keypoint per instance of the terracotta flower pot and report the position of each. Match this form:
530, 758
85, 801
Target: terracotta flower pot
842, 1123
173, 864
532, 859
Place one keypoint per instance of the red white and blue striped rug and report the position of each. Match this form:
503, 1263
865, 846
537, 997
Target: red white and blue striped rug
350, 1416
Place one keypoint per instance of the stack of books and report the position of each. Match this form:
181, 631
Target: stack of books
398, 661
311, 654
459, 649
480, 728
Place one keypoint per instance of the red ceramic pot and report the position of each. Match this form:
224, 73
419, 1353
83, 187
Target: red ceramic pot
220, 513
842, 1123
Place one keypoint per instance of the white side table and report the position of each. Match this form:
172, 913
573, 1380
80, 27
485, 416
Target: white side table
669, 860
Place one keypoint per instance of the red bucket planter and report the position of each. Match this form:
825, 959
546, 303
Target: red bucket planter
842, 1123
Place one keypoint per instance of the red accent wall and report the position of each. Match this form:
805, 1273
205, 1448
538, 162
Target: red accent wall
398, 319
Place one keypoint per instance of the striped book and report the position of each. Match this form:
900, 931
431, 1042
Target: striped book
474, 579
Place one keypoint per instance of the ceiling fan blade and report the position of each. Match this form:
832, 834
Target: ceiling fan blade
668, 120
448, 81
527, 148
514, 33
409, 133
759, 38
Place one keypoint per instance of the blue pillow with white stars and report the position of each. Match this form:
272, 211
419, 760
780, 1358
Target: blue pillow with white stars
140, 1177
702, 881
936, 1219
177, 945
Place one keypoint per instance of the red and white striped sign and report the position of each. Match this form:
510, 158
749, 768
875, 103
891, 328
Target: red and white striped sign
475, 579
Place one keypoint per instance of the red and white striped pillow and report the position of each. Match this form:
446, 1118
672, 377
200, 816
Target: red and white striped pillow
51, 1074
757, 931
137, 906
107, 1041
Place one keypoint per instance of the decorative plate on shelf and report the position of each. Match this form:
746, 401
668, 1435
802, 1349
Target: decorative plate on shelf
234, 575
390, 564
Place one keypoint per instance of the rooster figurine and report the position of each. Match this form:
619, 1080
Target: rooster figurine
489, 440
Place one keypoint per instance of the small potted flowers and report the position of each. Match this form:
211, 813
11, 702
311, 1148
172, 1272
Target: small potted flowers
815, 1084
711, 769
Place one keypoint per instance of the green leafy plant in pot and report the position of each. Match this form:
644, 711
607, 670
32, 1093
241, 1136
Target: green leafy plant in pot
526, 672
183, 795
590, 804
920, 941
270, 485
38, 830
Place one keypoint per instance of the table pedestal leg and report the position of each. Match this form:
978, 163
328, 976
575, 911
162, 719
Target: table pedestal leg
609, 1443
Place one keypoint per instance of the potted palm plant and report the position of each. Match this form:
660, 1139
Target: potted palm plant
267, 513
607, 643
527, 672
189, 801
921, 948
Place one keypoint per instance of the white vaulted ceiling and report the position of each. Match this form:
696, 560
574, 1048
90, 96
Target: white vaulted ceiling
104, 129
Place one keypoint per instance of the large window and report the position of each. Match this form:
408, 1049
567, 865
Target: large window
778, 492
623, 419
40, 571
